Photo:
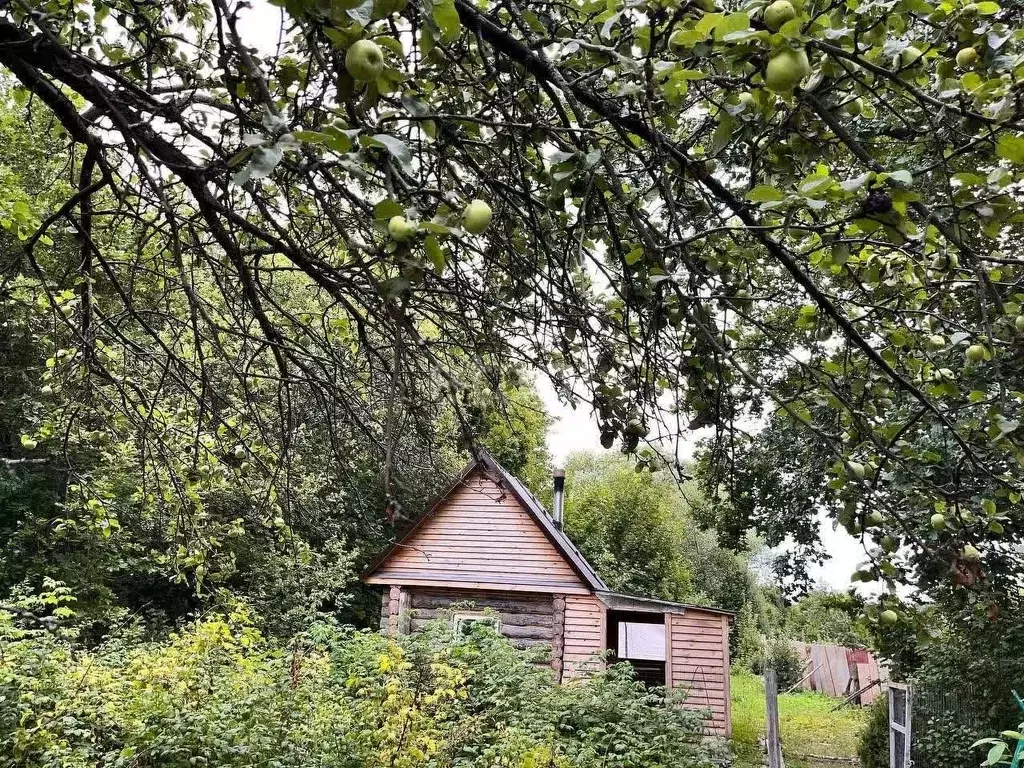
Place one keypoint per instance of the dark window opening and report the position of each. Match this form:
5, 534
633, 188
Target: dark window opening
463, 622
639, 638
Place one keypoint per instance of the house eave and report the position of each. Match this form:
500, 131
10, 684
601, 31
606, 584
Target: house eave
620, 601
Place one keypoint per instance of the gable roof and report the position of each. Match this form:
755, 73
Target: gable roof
533, 508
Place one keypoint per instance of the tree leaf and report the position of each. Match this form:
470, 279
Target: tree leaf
1011, 147
434, 253
764, 193
447, 20
362, 13
313, 137
385, 209
396, 147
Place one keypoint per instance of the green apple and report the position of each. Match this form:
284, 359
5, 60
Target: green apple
855, 106
936, 341
400, 228
966, 58
890, 543
747, 100
364, 60
477, 217
856, 469
636, 427
239, 451
28, 443
938, 521
1018, 322
910, 56
778, 13
889, 617
875, 518
47, 390
785, 69
971, 554
975, 353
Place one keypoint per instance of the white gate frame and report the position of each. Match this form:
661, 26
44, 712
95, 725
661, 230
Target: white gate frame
903, 728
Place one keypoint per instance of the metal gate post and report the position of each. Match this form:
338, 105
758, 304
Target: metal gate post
771, 695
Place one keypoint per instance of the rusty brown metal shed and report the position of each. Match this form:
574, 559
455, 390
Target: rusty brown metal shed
488, 543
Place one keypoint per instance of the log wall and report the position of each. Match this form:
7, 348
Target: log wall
527, 620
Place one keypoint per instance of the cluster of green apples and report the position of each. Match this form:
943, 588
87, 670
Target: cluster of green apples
787, 66
476, 218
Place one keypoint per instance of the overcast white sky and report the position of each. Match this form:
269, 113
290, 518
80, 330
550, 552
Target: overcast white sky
575, 431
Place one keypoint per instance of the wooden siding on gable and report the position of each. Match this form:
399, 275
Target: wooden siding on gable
480, 536
583, 635
699, 647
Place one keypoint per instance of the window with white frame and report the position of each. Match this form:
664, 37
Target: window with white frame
462, 622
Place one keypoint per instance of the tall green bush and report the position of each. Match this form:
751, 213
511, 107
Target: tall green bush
220, 694
873, 749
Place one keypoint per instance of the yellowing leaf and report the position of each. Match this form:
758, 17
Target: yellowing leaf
1010, 147
764, 193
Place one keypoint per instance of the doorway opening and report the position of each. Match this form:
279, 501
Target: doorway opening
639, 638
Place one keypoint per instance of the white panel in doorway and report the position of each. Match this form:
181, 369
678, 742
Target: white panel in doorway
641, 641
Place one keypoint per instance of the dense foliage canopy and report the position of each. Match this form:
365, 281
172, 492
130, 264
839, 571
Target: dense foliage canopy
253, 244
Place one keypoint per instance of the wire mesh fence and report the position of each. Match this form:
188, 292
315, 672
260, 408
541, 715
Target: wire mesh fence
946, 721
959, 704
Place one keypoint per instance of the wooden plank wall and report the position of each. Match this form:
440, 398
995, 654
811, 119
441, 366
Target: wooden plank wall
700, 663
584, 635
480, 535
838, 671
526, 619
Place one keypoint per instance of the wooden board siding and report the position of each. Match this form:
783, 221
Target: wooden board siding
699, 658
583, 635
480, 537
527, 620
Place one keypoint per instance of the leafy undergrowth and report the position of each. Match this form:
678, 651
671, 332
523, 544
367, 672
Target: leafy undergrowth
807, 722
220, 694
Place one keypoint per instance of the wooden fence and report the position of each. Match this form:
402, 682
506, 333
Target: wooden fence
849, 673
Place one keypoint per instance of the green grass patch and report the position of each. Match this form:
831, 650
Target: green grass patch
807, 722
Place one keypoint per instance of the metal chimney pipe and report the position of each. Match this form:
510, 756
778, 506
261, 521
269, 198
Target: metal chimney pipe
559, 504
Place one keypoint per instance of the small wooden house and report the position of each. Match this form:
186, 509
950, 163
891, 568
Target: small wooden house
488, 543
